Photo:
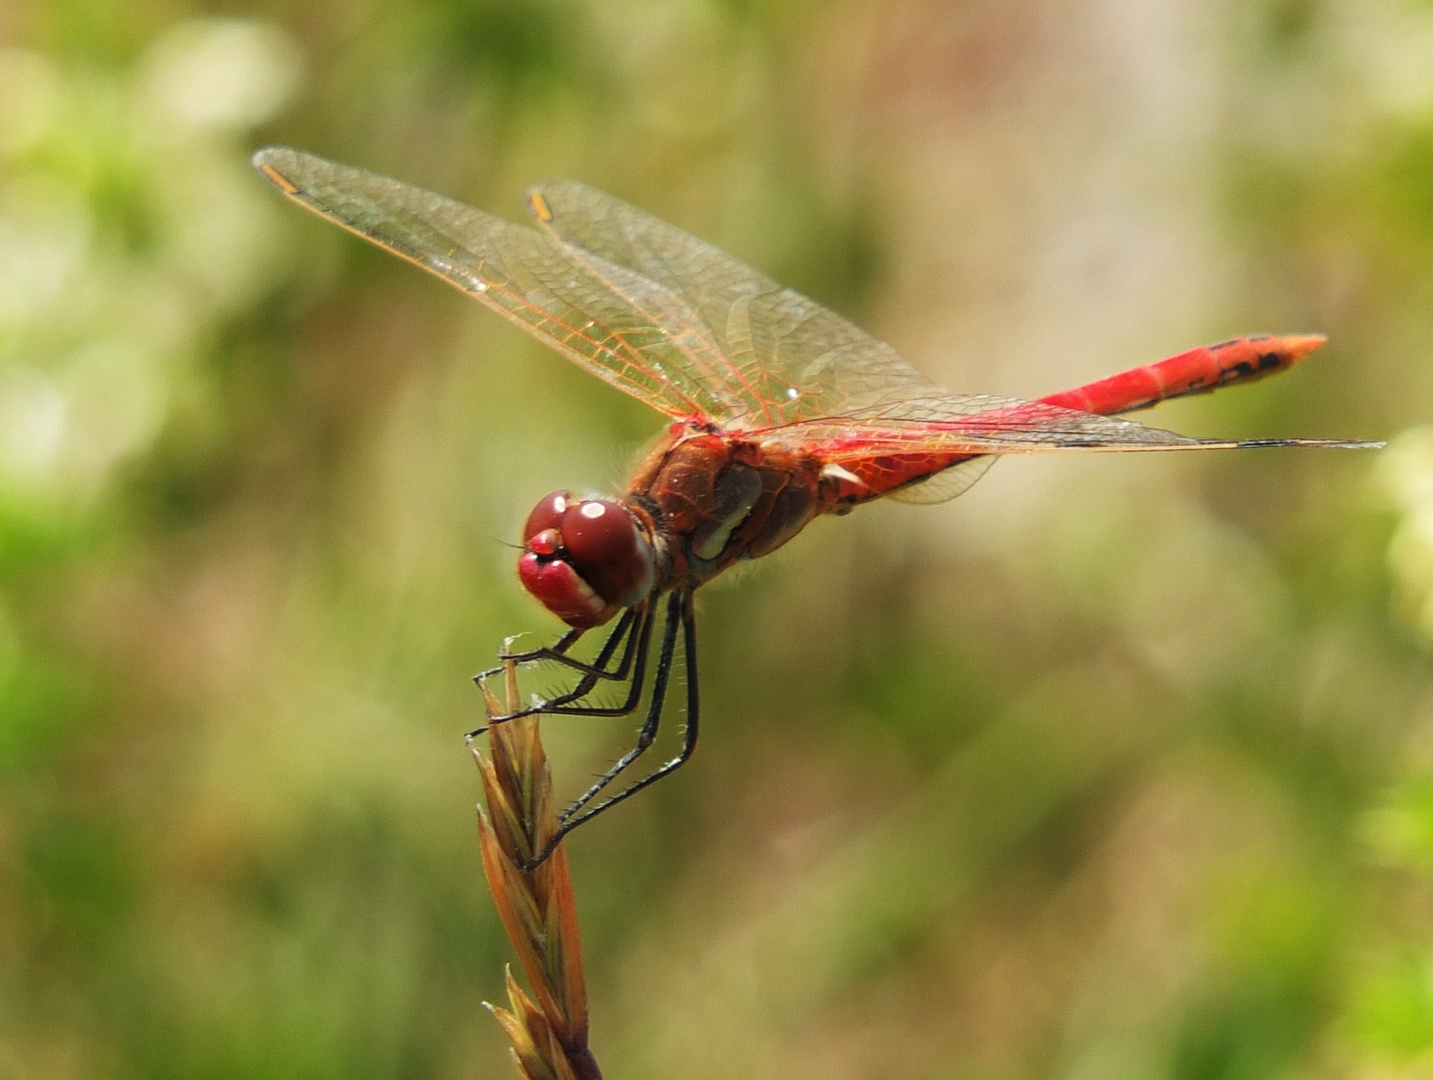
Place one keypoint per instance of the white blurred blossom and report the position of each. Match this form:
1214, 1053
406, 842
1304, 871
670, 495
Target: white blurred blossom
34, 418
219, 73
100, 325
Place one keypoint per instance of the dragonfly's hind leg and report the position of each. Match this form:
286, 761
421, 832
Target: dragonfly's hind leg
679, 613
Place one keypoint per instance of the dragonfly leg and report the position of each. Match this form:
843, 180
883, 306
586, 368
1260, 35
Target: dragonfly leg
562, 705
636, 631
558, 651
636, 628
648, 732
679, 611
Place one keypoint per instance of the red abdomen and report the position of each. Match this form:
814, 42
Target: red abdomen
1197, 371
1194, 372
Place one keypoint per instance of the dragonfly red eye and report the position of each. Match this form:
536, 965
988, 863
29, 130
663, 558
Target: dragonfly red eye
547, 514
585, 561
609, 549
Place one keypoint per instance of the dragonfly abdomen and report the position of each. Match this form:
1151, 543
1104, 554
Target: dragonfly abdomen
1194, 372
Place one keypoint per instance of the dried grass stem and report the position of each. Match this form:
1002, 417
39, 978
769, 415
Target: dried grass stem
548, 1030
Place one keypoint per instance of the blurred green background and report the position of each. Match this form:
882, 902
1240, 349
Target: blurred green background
1116, 767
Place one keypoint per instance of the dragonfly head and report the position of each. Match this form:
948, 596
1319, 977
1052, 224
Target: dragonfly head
585, 560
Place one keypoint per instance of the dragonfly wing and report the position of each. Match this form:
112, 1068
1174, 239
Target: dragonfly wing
974, 424
950, 482
890, 446
786, 357
619, 324
986, 424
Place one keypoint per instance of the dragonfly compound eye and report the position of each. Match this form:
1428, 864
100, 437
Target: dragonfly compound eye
585, 561
546, 573
547, 514
609, 549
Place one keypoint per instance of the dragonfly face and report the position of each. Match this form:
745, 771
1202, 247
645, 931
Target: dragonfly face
586, 560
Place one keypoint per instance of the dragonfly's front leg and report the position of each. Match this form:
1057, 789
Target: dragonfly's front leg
558, 652
632, 633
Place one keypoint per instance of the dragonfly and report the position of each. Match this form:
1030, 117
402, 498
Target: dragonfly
779, 411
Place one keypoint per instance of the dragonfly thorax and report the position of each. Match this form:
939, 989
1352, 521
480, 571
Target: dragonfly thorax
585, 560
716, 498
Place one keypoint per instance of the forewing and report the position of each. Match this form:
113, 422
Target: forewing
784, 357
629, 330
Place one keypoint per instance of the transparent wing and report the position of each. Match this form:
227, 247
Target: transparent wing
972, 424
982, 424
891, 447
945, 485
693, 332
786, 358
623, 327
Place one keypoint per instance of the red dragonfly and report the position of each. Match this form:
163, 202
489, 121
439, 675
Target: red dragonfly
781, 411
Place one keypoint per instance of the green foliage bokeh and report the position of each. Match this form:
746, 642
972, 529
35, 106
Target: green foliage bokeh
1111, 768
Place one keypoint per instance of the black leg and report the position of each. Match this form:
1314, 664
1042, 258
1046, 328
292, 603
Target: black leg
648, 732
679, 609
562, 704
558, 650
635, 627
